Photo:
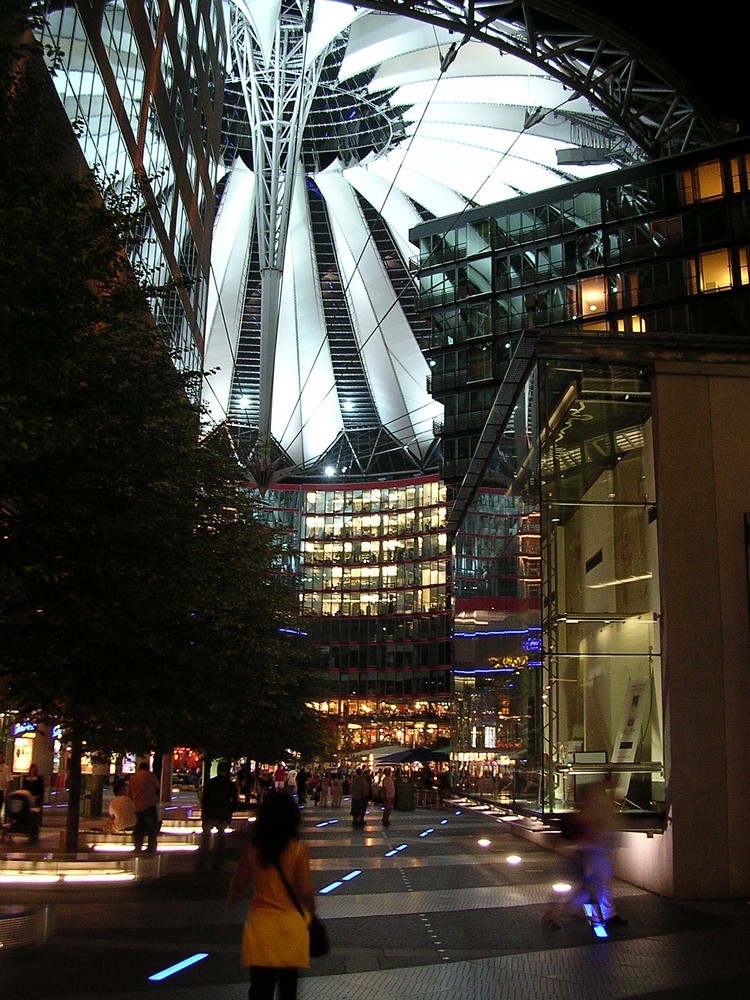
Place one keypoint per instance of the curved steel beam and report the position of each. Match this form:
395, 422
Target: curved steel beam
620, 76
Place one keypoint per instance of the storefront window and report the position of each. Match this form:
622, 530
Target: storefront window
601, 662
556, 600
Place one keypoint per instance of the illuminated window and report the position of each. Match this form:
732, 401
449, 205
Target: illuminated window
702, 183
740, 173
592, 296
744, 274
715, 272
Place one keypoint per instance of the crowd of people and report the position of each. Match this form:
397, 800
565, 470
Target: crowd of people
134, 806
325, 788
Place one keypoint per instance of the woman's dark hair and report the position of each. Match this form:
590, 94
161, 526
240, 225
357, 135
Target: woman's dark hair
276, 825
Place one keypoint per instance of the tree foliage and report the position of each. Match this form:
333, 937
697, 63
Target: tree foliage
137, 604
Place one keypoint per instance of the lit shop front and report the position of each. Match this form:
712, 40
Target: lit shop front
557, 648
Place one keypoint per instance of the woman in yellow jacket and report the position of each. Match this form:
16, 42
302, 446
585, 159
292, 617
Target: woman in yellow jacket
275, 941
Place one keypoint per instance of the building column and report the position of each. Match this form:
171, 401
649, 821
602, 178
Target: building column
702, 461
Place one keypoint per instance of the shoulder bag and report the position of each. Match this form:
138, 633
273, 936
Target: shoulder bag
319, 944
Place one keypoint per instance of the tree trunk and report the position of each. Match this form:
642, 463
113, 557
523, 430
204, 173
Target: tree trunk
74, 797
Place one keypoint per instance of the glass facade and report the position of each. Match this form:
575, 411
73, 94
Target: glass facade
557, 642
659, 249
138, 85
371, 564
560, 306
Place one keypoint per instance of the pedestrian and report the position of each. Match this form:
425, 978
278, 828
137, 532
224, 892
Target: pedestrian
595, 826
33, 782
360, 797
244, 785
143, 789
325, 789
336, 790
279, 778
302, 786
275, 940
218, 802
6, 777
388, 789
291, 780
121, 809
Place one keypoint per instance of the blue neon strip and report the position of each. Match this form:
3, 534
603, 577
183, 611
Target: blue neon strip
402, 847
426, 833
158, 976
443, 822
458, 812
351, 875
330, 888
488, 670
391, 853
509, 631
600, 930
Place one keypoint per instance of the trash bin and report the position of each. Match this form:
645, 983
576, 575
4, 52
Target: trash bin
404, 795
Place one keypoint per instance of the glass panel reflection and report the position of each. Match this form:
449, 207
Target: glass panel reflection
556, 580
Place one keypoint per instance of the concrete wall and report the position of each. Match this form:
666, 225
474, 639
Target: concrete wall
702, 449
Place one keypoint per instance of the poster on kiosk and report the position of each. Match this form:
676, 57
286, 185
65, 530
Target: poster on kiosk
34, 743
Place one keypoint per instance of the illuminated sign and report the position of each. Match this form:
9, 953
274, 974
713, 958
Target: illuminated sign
23, 727
533, 644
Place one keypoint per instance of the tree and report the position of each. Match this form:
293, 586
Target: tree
137, 604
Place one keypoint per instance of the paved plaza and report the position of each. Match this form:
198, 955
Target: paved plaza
421, 910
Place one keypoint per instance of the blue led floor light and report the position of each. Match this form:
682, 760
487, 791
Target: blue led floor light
165, 973
330, 888
592, 913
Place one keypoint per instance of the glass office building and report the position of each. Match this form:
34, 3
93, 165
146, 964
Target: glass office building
142, 86
371, 564
658, 250
598, 531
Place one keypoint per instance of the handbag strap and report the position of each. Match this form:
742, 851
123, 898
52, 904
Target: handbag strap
289, 889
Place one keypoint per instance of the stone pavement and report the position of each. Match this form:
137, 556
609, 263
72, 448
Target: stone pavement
441, 917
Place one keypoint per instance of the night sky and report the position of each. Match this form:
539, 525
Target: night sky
707, 45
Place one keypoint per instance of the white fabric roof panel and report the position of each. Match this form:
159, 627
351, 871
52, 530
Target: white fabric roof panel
439, 199
306, 415
530, 92
391, 203
330, 18
376, 38
396, 368
232, 230
263, 15
472, 59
